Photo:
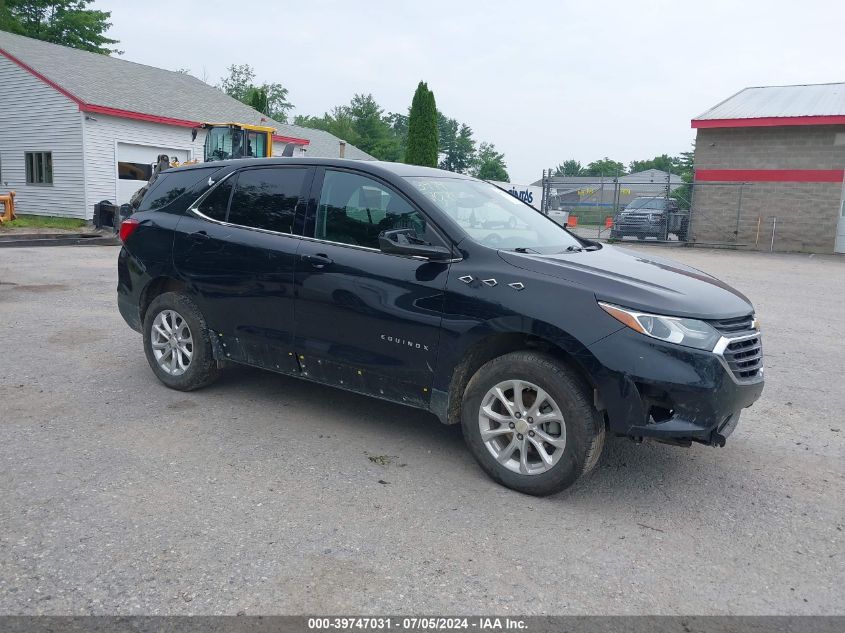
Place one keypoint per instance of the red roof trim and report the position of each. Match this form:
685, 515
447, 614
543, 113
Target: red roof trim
770, 175
771, 121
290, 139
125, 114
140, 116
37, 74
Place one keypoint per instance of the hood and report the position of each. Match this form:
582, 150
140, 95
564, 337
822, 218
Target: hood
640, 281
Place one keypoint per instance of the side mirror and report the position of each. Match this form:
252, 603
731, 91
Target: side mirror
405, 242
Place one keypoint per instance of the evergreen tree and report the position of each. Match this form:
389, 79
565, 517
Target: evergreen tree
490, 164
422, 129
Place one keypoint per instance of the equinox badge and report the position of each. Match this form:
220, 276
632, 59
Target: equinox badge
404, 341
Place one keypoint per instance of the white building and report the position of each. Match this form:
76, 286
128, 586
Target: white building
77, 128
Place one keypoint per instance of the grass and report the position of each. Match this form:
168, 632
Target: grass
44, 222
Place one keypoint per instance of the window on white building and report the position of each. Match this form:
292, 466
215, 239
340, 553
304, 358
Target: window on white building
39, 168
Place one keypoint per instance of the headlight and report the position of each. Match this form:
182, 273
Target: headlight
687, 332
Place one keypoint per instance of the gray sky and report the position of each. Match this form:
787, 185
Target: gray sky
544, 81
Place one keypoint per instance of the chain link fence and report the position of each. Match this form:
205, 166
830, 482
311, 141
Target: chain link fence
661, 209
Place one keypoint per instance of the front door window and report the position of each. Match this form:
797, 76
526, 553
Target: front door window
355, 210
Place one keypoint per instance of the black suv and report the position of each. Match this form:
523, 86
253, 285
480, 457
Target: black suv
652, 216
379, 278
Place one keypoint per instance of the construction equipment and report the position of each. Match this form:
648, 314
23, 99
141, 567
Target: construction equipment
236, 140
7, 202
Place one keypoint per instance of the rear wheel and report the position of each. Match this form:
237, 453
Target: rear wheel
177, 343
529, 422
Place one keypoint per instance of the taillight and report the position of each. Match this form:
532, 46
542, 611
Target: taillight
127, 228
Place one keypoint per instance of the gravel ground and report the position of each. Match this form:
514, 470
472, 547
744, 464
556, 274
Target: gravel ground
264, 494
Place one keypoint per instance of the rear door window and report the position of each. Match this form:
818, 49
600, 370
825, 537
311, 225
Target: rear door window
268, 198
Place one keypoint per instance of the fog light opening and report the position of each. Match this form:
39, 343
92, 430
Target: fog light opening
660, 414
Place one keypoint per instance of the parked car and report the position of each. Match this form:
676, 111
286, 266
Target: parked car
656, 217
559, 216
371, 277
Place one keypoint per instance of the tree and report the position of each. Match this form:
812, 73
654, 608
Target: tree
605, 167
464, 154
65, 22
569, 168
337, 122
683, 194
361, 123
372, 128
238, 82
277, 102
273, 97
490, 164
664, 162
422, 129
256, 98
457, 147
399, 126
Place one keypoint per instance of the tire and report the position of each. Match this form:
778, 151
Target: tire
684, 230
200, 369
580, 437
615, 235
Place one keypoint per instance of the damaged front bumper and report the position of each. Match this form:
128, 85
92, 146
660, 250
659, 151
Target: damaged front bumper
674, 394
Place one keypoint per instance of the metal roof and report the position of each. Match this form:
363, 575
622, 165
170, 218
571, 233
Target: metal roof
811, 100
127, 87
645, 177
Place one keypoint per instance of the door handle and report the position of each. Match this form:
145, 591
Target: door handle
318, 261
199, 236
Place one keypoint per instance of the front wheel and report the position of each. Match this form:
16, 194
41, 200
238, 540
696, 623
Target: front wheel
529, 422
177, 343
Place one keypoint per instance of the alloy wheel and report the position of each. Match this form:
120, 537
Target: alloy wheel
172, 343
522, 427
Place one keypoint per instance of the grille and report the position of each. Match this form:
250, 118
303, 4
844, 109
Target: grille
729, 327
745, 357
633, 218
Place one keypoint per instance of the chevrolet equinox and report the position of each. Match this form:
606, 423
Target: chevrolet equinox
392, 281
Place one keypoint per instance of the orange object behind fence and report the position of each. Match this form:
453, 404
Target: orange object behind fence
608, 222
572, 220
8, 203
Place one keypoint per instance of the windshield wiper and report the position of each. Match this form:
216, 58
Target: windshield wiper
524, 249
581, 249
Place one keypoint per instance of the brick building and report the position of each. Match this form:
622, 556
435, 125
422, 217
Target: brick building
769, 165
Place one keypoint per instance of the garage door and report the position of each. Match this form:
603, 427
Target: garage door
135, 164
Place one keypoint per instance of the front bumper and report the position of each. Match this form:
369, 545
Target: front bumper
677, 394
639, 228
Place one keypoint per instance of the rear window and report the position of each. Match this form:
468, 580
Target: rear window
171, 185
217, 202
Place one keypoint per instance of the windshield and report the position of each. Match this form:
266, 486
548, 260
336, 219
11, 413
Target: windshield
223, 143
647, 203
493, 217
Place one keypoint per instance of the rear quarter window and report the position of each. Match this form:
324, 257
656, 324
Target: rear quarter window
172, 186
